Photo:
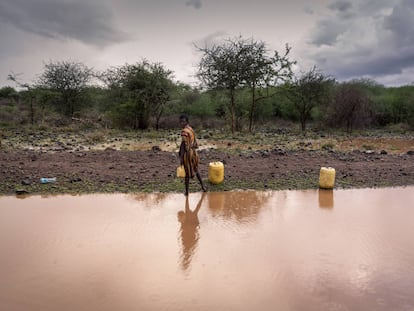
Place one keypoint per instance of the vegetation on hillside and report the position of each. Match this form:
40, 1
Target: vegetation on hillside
242, 85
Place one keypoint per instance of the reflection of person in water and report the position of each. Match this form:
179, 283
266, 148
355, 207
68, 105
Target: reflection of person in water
189, 231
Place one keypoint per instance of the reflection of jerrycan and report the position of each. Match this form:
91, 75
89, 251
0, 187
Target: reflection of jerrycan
216, 173
180, 171
216, 201
327, 178
326, 199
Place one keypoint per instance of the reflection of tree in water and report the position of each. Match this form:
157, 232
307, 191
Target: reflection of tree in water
243, 205
189, 231
149, 199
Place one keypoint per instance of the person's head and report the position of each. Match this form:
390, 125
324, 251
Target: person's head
181, 216
183, 120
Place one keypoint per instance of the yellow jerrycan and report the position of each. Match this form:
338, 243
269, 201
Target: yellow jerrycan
327, 178
180, 171
216, 173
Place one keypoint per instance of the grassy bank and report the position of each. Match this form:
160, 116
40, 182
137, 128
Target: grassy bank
365, 159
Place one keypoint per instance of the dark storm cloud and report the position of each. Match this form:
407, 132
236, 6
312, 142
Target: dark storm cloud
401, 23
340, 5
327, 32
309, 10
376, 66
343, 9
195, 3
369, 7
87, 22
370, 40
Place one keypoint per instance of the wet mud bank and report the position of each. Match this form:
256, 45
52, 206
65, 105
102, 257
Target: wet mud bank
113, 170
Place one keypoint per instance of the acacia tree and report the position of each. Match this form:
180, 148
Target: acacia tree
9, 93
69, 80
161, 87
238, 63
263, 71
220, 68
142, 90
307, 91
30, 91
36, 96
350, 105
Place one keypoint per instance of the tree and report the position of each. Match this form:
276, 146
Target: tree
9, 93
220, 68
35, 95
30, 91
69, 80
238, 63
142, 90
161, 86
262, 71
350, 105
307, 91
402, 104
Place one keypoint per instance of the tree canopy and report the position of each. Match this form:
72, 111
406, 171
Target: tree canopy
238, 63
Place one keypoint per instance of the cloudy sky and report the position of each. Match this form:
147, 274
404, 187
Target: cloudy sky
344, 38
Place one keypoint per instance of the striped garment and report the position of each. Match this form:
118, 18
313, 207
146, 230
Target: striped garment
188, 151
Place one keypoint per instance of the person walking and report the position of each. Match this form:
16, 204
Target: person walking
188, 154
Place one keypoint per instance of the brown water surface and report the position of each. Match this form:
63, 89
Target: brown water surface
285, 250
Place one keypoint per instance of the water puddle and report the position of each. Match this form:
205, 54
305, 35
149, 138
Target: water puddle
284, 250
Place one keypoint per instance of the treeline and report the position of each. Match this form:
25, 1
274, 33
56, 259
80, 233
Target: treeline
242, 85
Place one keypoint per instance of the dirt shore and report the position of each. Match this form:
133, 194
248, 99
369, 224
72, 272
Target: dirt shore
112, 170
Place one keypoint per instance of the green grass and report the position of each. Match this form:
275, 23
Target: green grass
176, 185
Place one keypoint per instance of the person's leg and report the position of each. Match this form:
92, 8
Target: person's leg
200, 181
187, 170
187, 182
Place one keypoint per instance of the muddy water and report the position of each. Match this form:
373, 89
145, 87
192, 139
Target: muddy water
287, 250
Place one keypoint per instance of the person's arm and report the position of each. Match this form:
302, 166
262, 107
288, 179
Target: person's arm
181, 152
184, 146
